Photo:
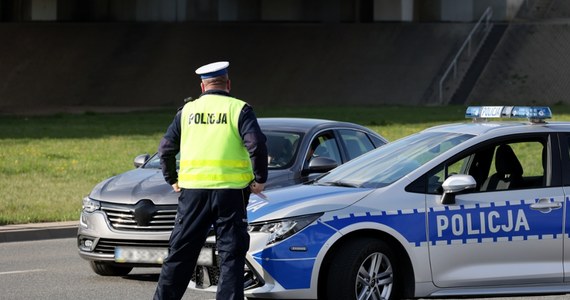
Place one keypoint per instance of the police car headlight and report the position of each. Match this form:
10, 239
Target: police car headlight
90, 205
279, 230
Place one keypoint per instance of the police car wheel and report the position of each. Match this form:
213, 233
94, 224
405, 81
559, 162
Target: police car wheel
106, 269
362, 269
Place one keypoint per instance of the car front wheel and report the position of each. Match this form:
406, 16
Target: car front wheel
362, 269
106, 269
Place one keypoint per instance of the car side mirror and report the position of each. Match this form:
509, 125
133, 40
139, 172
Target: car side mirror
321, 165
454, 185
140, 160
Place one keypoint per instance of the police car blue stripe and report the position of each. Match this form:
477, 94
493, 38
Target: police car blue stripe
280, 261
451, 225
495, 222
478, 223
410, 223
291, 274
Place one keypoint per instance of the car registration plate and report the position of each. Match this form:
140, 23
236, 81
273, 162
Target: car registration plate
140, 255
157, 255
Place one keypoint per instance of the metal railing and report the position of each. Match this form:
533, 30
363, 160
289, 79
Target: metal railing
484, 20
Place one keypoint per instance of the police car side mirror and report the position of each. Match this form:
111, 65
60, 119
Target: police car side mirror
454, 185
321, 165
140, 160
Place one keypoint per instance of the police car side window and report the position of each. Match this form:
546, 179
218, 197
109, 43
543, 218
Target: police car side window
517, 165
501, 166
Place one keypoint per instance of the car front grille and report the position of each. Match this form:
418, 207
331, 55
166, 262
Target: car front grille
143, 216
107, 246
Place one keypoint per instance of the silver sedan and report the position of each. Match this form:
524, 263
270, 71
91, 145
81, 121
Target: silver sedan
126, 220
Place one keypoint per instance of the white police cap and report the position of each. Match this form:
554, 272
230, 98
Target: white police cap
213, 70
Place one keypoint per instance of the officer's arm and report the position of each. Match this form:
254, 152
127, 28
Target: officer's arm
168, 148
254, 141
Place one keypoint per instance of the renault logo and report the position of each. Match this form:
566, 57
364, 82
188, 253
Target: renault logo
144, 212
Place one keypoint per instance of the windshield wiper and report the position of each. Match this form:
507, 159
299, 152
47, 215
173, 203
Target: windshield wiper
339, 183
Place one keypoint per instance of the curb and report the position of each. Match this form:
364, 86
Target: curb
38, 231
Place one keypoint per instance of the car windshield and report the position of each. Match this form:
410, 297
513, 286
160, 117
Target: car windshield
392, 161
154, 162
281, 147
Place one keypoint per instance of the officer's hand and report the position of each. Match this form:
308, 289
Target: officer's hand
175, 187
256, 187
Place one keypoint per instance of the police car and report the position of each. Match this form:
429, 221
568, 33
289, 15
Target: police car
463, 209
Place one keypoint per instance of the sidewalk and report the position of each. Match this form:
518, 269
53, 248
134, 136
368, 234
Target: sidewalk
38, 231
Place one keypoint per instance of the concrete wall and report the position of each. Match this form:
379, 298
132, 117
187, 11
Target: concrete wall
457, 10
279, 10
444, 10
239, 10
327, 11
467, 10
386, 10
44, 10
502, 10
48, 66
530, 66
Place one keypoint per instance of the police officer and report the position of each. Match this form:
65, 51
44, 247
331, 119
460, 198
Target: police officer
223, 158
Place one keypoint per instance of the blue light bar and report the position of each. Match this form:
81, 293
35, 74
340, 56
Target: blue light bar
535, 114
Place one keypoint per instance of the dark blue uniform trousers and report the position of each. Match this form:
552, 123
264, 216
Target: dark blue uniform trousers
198, 210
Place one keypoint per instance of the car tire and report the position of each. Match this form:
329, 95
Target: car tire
107, 269
348, 276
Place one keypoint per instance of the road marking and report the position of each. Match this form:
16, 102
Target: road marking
22, 271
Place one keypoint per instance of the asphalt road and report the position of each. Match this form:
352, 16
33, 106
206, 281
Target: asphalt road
51, 269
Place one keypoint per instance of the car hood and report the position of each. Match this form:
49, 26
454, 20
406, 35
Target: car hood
302, 200
134, 185
137, 184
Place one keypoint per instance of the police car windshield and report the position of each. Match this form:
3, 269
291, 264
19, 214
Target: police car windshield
393, 161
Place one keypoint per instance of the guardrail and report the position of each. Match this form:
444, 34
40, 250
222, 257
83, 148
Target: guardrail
484, 20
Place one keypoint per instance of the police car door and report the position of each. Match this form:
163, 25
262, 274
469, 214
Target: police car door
565, 166
506, 231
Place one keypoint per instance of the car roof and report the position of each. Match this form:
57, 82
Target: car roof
303, 124
480, 128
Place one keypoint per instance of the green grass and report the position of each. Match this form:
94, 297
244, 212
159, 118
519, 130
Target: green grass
49, 163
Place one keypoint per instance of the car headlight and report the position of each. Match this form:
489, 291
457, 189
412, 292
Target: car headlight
90, 205
279, 230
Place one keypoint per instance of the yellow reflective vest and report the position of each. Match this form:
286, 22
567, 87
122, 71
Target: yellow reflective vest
212, 154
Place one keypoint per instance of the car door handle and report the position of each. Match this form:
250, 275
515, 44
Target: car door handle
544, 205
